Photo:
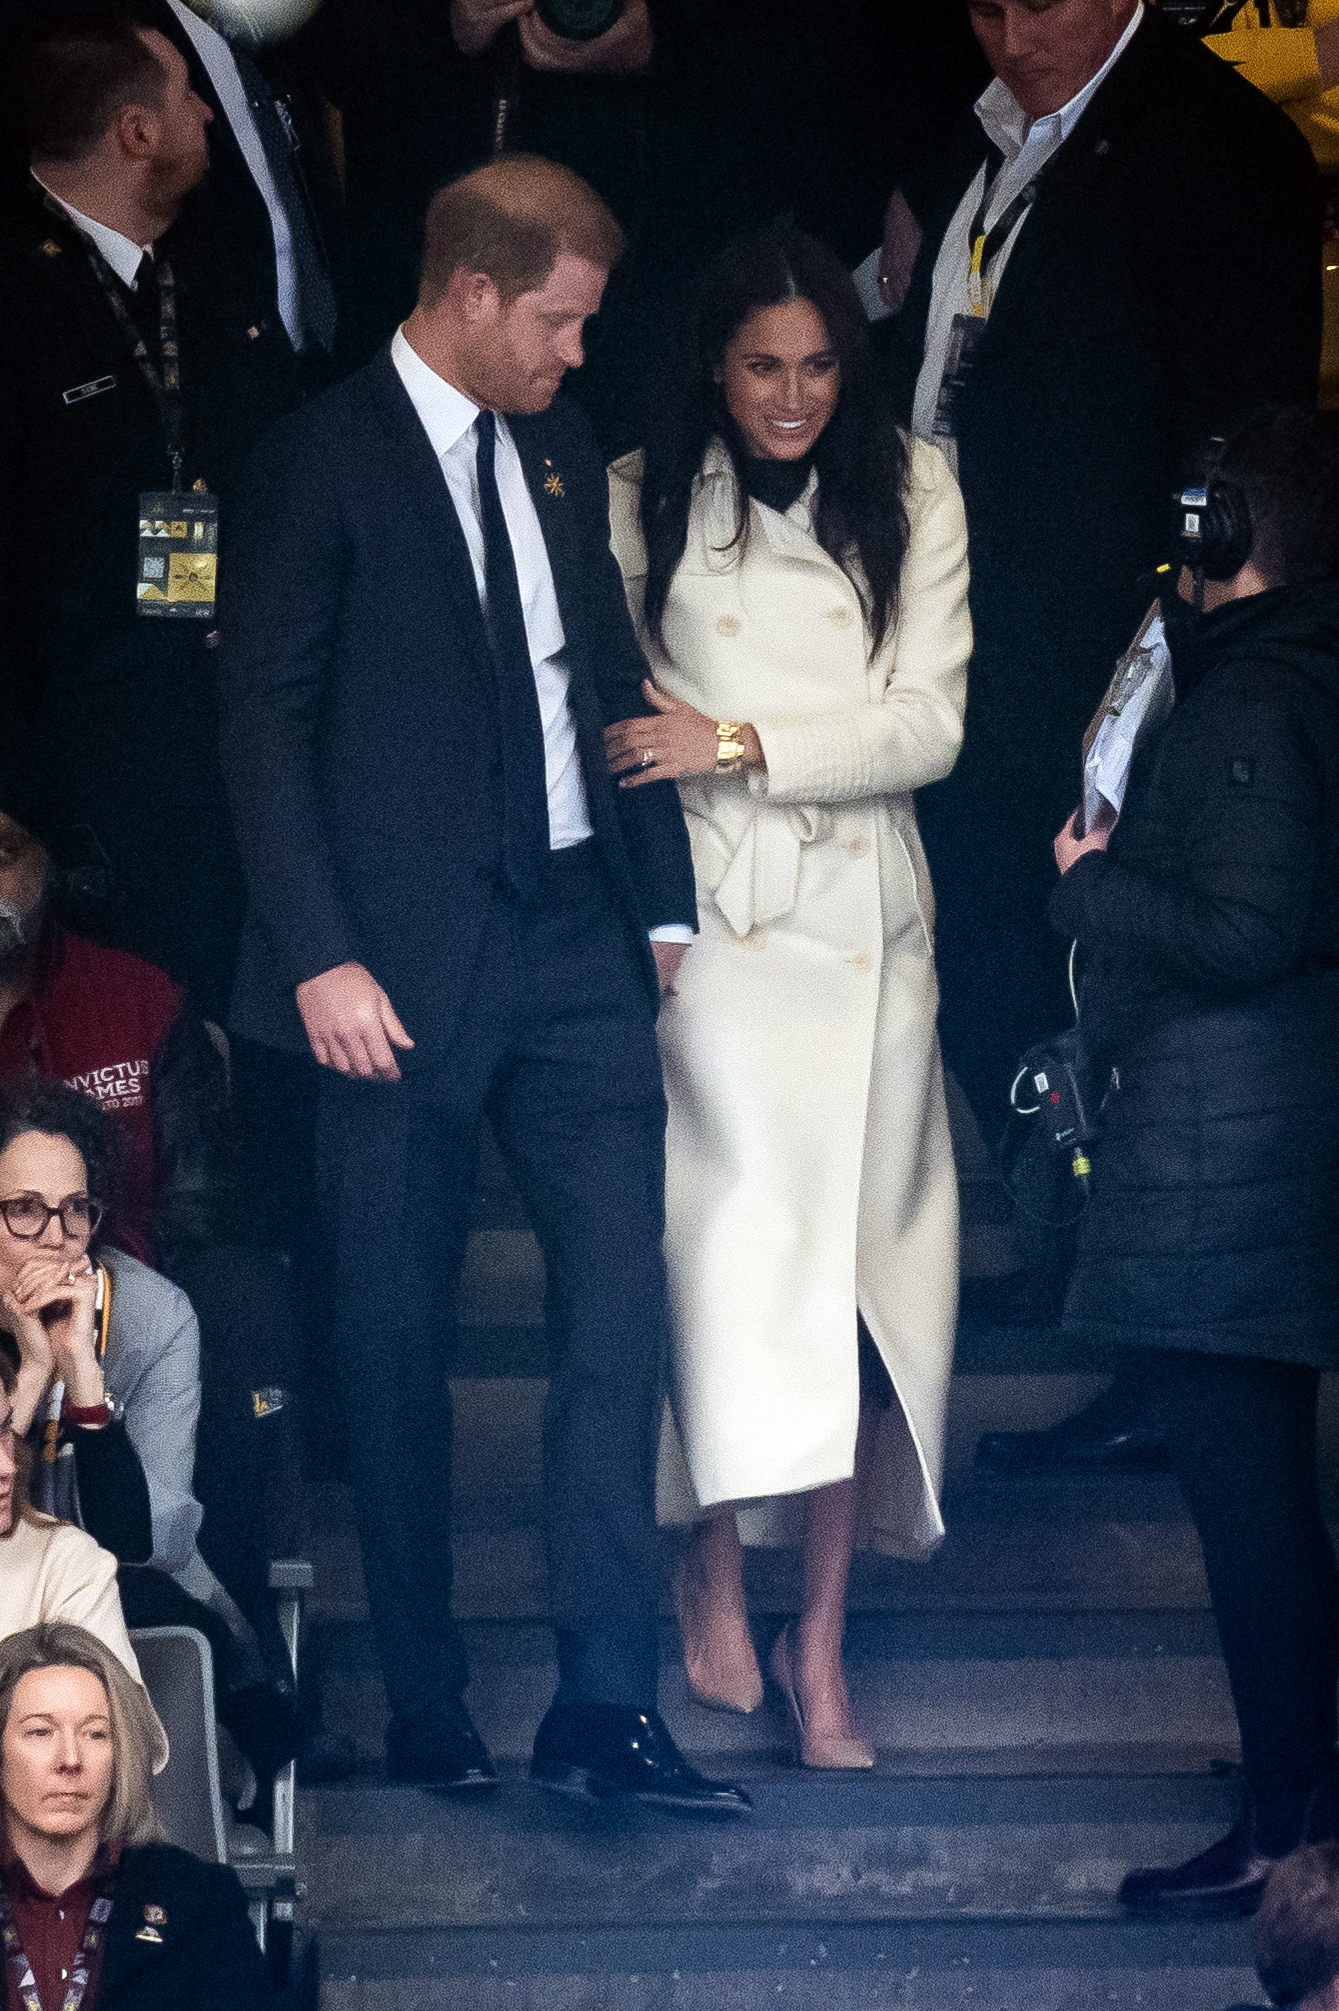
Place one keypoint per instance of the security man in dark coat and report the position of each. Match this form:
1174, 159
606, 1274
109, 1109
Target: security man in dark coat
114, 359
1209, 930
1147, 236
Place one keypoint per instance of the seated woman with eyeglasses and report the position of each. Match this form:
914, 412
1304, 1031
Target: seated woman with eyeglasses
99, 1337
87, 1887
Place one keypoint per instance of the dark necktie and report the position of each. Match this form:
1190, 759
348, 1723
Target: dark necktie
525, 829
314, 290
146, 307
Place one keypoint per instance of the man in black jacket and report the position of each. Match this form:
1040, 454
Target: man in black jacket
424, 638
1145, 229
110, 721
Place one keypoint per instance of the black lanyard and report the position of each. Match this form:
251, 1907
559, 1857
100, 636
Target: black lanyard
165, 384
22, 1970
985, 245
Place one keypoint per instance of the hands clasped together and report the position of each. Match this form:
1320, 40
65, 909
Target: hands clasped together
48, 1303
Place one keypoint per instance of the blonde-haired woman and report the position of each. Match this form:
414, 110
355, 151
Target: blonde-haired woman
798, 573
87, 1886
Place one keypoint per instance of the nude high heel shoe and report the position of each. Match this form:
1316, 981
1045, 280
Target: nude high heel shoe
743, 1695
808, 1749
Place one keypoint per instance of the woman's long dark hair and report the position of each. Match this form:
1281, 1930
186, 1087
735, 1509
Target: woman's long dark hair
859, 456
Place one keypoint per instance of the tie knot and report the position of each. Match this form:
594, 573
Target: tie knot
486, 428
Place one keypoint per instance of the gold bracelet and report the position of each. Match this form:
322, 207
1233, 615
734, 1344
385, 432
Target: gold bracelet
729, 748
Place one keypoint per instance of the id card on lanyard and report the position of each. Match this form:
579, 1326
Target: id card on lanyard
178, 529
966, 331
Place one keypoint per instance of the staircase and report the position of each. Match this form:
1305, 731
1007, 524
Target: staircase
1046, 1696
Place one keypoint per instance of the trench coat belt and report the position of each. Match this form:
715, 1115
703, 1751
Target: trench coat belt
762, 881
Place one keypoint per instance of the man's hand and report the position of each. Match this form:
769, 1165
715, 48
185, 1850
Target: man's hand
625, 47
1068, 848
351, 1023
476, 24
668, 957
897, 256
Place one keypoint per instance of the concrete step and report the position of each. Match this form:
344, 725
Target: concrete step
815, 1848
927, 1690
957, 1892
1028, 1966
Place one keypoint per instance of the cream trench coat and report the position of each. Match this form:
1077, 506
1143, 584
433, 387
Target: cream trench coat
809, 1169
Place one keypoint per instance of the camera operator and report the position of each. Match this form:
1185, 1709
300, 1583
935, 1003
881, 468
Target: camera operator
1209, 935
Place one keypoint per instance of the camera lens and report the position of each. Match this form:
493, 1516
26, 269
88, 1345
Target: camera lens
579, 20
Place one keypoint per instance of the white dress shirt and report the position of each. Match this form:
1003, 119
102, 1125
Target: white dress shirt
1026, 148
122, 254
448, 418
217, 58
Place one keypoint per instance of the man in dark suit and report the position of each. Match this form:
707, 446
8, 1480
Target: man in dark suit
1146, 231
423, 639
110, 731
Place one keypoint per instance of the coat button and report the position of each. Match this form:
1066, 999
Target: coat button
756, 939
728, 624
840, 617
858, 847
864, 962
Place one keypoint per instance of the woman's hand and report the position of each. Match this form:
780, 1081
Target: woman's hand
679, 741
1068, 848
49, 1306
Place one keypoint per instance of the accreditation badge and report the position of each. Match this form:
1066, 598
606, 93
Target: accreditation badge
178, 553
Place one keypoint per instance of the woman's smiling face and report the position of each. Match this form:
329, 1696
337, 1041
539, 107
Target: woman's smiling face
781, 379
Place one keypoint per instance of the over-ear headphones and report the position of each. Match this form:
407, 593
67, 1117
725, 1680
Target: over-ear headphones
1214, 532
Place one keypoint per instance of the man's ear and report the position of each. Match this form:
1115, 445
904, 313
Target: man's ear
137, 130
473, 295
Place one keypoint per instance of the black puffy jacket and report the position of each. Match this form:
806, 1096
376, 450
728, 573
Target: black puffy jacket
1210, 937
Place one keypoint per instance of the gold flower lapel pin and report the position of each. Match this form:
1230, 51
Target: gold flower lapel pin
553, 481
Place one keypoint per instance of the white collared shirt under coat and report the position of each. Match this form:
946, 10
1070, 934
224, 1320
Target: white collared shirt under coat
1027, 145
448, 418
810, 1171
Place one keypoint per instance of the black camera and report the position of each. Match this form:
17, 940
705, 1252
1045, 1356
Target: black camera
579, 20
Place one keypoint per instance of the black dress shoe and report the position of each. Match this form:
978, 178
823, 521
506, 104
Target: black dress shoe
439, 1753
1224, 1881
608, 1752
1103, 1437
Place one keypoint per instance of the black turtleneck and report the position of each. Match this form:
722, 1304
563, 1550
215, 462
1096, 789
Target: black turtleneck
776, 483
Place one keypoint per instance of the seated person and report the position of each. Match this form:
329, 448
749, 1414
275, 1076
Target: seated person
124, 1033
84, 1869
50, 1570
109, 1333
1296, 1935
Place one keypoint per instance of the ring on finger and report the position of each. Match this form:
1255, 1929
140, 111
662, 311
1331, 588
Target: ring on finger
647, 757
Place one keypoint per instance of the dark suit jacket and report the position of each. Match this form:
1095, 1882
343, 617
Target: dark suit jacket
206, 1958
1167, 277
360, 736
106, 713
225, 217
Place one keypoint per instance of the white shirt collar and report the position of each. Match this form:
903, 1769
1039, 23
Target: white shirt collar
122, 254
1006, 123
447, 414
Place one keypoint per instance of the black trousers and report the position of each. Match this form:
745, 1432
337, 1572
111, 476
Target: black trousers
988, 830
558, 1051
1242, 1435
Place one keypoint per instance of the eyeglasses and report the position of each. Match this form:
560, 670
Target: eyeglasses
27, 1215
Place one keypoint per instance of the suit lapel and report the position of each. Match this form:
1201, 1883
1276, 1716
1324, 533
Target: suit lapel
427, 500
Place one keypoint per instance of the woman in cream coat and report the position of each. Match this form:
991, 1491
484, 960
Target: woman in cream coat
798, 573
